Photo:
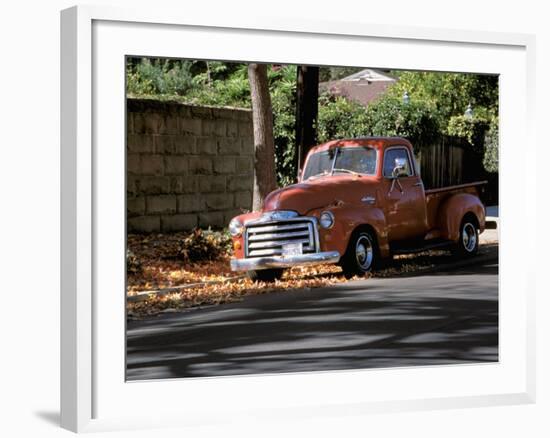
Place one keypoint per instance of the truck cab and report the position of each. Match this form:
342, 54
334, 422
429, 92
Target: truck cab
357, 202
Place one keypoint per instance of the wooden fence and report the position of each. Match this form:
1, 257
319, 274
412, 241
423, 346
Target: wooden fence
451, 161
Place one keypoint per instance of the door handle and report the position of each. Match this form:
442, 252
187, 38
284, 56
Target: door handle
418, 184
395, 181
368, 199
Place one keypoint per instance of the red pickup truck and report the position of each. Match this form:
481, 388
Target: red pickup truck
357, 202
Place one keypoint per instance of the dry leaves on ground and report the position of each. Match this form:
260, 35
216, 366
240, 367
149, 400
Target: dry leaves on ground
156, 265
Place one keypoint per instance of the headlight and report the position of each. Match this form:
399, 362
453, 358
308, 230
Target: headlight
327, 219
235, 227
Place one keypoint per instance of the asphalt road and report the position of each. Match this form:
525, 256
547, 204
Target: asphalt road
442, 318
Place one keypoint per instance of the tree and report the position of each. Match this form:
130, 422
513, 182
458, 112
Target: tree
438, 102
264, 146
448, 94
307, 104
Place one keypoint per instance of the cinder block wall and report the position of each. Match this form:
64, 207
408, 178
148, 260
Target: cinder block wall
187, 165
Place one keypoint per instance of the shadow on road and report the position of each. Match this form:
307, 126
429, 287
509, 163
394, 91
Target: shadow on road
443, 319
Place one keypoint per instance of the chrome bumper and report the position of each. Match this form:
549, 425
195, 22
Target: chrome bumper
257, 263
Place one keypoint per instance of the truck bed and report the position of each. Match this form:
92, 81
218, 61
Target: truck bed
434, 198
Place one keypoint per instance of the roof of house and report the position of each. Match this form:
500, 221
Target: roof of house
362, 87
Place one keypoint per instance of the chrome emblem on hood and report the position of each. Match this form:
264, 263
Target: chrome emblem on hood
274, 216
280, 215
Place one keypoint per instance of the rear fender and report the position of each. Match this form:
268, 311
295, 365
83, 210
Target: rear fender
452, 211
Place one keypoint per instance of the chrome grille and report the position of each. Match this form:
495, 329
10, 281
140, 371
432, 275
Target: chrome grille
267, 239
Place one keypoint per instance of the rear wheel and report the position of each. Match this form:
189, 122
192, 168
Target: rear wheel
468, 240
266, 275
361, 255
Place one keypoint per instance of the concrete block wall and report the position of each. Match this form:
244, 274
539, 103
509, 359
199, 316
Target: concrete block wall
187, 166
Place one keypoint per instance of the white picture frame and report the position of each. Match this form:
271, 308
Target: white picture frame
94, 41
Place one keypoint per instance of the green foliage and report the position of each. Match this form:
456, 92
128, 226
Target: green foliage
214, 87
449, 93
472, 129
160, 76
340, 118
490, 158
416, 121
436, 107
199, 82
282, 87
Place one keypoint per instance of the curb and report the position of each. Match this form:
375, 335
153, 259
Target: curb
145, 294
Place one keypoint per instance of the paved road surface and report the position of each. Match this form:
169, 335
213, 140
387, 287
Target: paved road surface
444, 318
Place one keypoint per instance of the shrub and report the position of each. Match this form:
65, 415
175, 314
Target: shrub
481, 131
449, 93
472, 129
219, 88
200, 245
490, 157
159, 77
418, 121
340, 118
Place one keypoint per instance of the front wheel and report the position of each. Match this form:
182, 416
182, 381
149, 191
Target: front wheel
361, 255
468, 240
266, 275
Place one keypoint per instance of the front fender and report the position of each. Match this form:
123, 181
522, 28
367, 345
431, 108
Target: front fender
452, 211
346, 219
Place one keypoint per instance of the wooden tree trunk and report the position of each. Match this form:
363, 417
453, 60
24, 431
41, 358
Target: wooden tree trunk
264, 145
307, 102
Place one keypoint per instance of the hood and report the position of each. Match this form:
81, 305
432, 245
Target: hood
306, 196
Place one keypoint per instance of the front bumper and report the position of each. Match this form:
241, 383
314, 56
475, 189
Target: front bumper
257, 263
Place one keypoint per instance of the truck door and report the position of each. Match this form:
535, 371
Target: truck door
405, 204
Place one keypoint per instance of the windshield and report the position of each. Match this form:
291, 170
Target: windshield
355, 159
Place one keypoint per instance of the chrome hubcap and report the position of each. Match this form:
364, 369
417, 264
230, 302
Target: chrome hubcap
364, 252
469, 237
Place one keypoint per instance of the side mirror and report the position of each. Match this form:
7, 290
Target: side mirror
400, 168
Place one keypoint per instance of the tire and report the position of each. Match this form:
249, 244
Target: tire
468, 238
266, 275
361, 254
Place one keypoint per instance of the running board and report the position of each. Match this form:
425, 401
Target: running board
427, 247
